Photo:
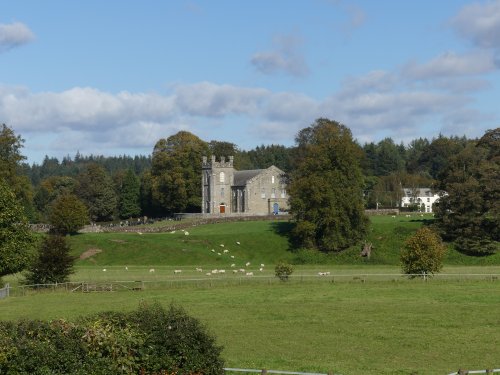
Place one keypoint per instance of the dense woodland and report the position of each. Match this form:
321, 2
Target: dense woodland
168, 181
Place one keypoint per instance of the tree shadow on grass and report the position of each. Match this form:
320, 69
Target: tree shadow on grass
284, 229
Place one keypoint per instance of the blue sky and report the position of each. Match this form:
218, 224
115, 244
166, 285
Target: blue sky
113, 77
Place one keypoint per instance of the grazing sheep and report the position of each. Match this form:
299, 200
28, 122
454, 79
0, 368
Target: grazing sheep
213, 250
104, 270
242, 270
408, 215
199, 269
232, 256
219, 254
215, 271
262, 264
238, 242
247, 264
233, 265
393, 216
139, 233
261, 269
226, 251
221, 245
126, 268
151, 270
235, 271
177, 271
222, 271
172, 231
208, 274
249, 274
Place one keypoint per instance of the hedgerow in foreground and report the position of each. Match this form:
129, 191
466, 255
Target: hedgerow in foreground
150, 340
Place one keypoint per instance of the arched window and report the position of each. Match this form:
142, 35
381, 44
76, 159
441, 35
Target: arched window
222, 177
272, 179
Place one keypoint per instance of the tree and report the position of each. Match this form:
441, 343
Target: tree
97, 192
16, 239
129, 196
11, 168
423, 253
67, 214
326, 188
469, 212
53, 263
176, 172
283, 270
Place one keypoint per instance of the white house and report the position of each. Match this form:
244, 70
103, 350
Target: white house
423, 197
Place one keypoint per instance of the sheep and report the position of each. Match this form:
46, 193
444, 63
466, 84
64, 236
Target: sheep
140, 233
199, 269
219, 254
242, 270
221, 245
238, 242
172, 232
151, 270
186, 233
249, 274
247, 264
226, 251
235, 271
393, 216
177, 271
104, 270
213, 250
208, 274
215, 271
261, 269
262, 264
222, 271
233, 265
232, 256
126, 268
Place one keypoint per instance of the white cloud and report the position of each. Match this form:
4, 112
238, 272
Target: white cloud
285, 57
480, 23
13, 35
450, 64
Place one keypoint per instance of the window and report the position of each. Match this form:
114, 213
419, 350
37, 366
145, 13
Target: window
222, 192
263, 193
222, 177
283, 193
272, 179
428, 199
273, 193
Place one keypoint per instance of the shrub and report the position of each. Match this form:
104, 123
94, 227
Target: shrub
283, 270
67, 214
423, 253
151, 340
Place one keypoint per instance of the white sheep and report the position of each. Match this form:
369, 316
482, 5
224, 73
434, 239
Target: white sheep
249, 274
104, 270
213, 250
199, 269
238, 242
221, 245
208, 274
233, 265
215, 271
177, 271
247, 264
186, 233
262, 264
219, 254
261, 269
151, 270
126, 268
232, 256
242, 270
139, 233
235, 271
172, 231
226, 251
222, 271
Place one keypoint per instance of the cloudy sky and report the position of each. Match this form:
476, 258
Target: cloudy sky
112, 77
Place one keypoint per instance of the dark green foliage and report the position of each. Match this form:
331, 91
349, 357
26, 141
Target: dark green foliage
176, 173
423, 253
16, 239
326, 189
53, 263
469, 213
129, 196
283, 270
97, 192
67, 214
151, 340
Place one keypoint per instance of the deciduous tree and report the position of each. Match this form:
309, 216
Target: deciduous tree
68, 214
423, 253
326, 189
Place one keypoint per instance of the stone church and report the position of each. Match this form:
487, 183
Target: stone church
227, 191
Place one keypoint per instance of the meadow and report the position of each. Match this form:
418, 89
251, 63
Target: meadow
379, 323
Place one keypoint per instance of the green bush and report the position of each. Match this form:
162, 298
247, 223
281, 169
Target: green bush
283, 270
151, 340
310, 256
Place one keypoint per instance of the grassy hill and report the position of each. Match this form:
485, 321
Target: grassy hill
259, 242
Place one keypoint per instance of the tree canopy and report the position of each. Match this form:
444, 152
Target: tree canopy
326, 188
16, 239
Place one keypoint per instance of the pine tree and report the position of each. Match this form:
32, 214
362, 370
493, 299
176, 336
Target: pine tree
129, 205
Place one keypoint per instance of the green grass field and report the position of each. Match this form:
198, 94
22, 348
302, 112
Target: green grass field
386, 325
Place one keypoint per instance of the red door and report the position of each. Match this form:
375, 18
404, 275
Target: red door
222, 209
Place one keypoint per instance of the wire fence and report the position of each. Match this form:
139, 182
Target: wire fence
265, 371
203, 282
467, 372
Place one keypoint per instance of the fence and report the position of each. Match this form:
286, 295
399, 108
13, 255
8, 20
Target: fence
466, 372
5, 291
164, 282
265, 371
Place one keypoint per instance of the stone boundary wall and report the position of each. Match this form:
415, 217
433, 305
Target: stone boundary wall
383, 211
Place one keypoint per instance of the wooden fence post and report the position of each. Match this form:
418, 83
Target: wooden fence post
462, 372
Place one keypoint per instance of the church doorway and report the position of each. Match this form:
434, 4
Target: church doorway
275, 208
222, 209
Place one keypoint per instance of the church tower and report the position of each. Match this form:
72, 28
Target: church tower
217, 179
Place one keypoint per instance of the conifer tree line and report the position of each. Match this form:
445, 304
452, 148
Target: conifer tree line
104, 188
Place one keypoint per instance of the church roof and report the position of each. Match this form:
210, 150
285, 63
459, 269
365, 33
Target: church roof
241, 177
